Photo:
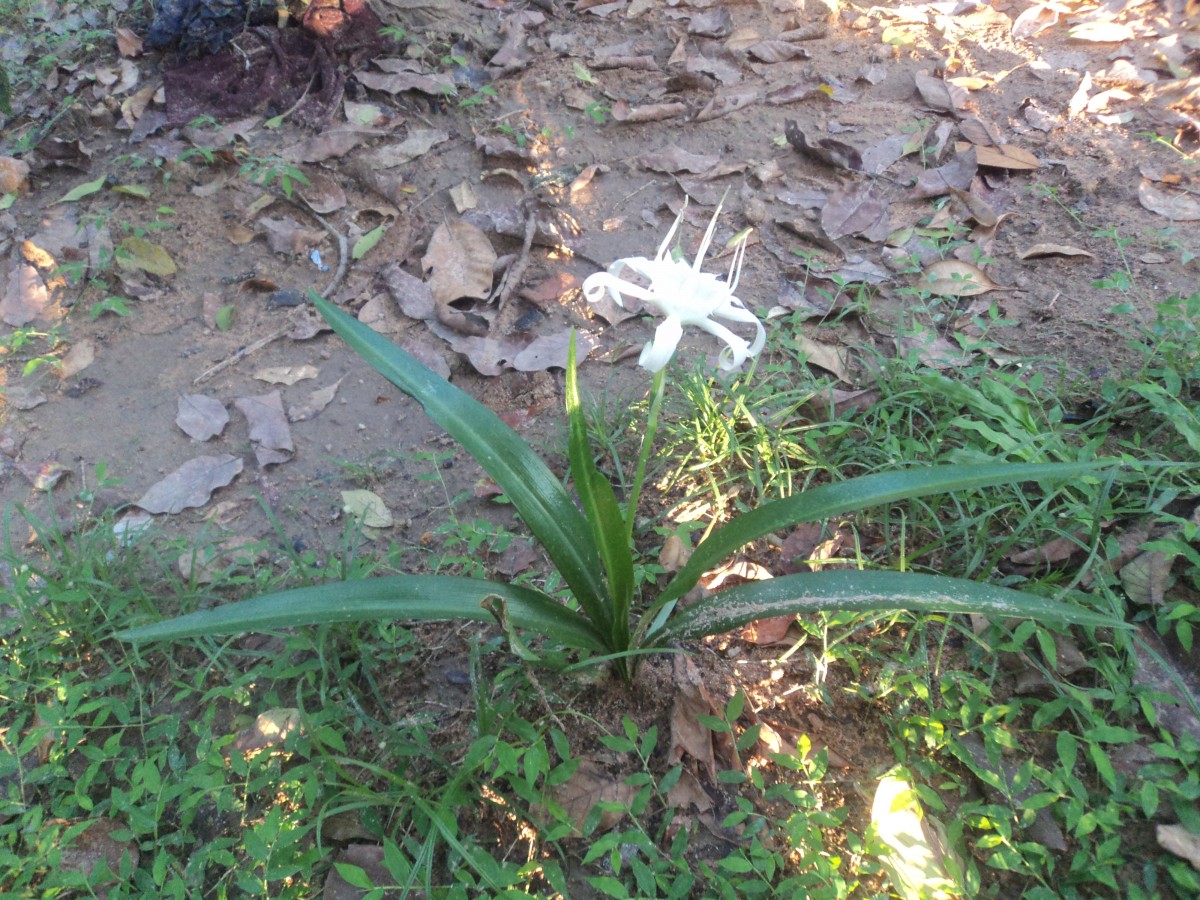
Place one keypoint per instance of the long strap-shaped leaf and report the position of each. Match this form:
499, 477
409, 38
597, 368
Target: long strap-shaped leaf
603, 513
857, 591
424, 597
865, 492
538, 496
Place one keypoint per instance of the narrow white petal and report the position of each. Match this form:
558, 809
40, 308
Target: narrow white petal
708, 236
658, 352
663, 248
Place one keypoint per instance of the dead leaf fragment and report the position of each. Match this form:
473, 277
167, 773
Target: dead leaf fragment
855, 209
286, 374
26, 296
1175, 205
201, 417
953, 278
1178, 840
317, 401
1004, 156
191, 484
81, 355
940, 95
1037, 251
590, 784
367, 508
826, 150
14, 175
270, 729
458, 262
94, 846
268, 427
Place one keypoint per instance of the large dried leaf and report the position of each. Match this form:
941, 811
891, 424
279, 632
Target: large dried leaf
826, 356
201, 417
191, 484
1039, 251
774, 51
1101, 32
688, 736
268, 427
26, 296
1004, 156
286, 374
145, 256
332, 144
590, 784
954, 278
270, 729
1176, 206
419, 142
550, 351
96, 847
411, 294
855, 209
941, 95
317, 401
437, 85
323, 193
955, 175
458, 262
287, 236
826, 150
1036, 19
623, 112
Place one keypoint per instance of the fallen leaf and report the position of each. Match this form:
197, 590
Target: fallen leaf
462, 195
1004, 156
323, 193
367, 508
287, 236
675, 159
953, 278
436, 85
317, 401
688, 736
826, 150
767, 631
589, 784
977, 209
674, 553
1176, 206
128, 43
270, 729
14, 175
1037, 251
774, 51
412, 295
855, 209
26, 296
727, 101
652, 112
1079, 99
940, 95
213, 563
955, 175
364, 115
83, 190
145, 256
1036, 19
81, 355
1178, 840
201, 417
365, 858
94, 847
550, 351
191, 484
1101, 32
286, 374
1147, 577
826, 356
419, 142
43, 476
268, 427
458, 262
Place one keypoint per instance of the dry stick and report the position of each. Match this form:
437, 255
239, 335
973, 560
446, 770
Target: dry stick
243, 352
512, 278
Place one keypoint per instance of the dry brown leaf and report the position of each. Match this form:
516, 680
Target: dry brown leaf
855, 209
317, 401
93, 846
725, 102
268, 427
191, 484
1101, 32
674, 554
940, 95
977, 209
550, 351
436, 85
287, 236
1036, 19
1003, 156
826, 150
43, 476
81, 355
651, 112
1147, 577
419, 142
590, 784
953, 278
331, 144
270, 729
688, 736
210, 564
1174, 205
128, 43
367, 508
201, 417
767, 631
1178, 840
827, 356
14, 175
286, 374
411, 294
368, 858
1038, 251
458, 262
775, 51
26, 296
323, 193
955, 175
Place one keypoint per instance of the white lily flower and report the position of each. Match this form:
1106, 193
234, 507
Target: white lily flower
685, 296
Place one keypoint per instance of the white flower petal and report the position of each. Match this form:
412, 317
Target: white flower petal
658, 352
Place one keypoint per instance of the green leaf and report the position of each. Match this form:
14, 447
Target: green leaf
365, 243
830, 500
354, 876
133, 190
83, 190
224, 318
524, 478
7, 200
841, 590
601, 511
414, 597
139, 253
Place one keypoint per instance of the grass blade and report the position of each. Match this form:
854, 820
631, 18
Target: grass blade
842, 590
541, 500
413, 597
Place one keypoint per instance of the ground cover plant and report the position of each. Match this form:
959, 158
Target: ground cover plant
965, 242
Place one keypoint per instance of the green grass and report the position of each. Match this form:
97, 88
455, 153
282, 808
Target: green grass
466, 798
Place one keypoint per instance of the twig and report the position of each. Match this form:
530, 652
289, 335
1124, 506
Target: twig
241, 354
512, 278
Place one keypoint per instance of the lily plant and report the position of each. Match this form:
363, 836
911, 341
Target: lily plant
591, 543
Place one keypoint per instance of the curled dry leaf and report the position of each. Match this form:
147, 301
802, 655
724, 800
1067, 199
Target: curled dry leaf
201, 417
955, 175
674, 554
1037, 251
191, 484
459, 262
590, 784
1176, 206
774, 51
81, 355
419, 142
953, 278
725, 102
826, 150
651, 112
941, 95
978, 209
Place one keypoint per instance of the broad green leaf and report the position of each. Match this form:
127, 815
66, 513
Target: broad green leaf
365, 243
411, 597
224, 318
600, 509
83, 190
543, 503
820, 503
7, 200
857, 591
